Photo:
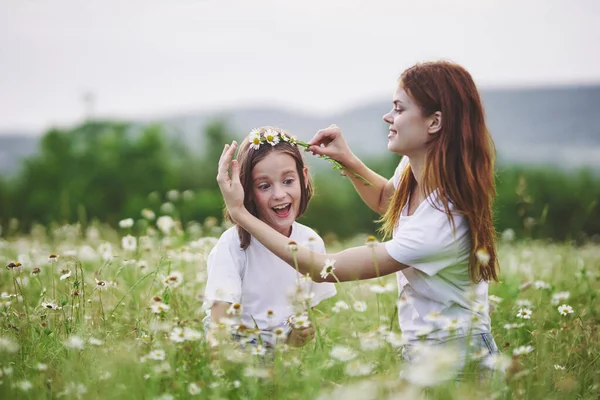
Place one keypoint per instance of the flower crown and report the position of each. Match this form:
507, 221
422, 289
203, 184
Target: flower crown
259, 136
269, 135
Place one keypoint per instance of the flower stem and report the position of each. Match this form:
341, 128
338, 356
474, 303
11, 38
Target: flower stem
336, 164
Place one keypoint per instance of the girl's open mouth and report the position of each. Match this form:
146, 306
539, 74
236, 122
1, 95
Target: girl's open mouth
282, 210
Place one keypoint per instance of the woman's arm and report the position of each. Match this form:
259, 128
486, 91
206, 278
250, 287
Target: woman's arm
330, 142
378, 196
351, 264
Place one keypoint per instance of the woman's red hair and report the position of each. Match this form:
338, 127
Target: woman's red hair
460, 157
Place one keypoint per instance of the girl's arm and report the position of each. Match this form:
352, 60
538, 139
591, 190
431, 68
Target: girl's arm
218, 311
355, 263
330, 142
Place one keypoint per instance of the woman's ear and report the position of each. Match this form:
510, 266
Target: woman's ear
435, 122
305, 173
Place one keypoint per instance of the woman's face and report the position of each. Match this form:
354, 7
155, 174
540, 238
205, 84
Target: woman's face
409, 129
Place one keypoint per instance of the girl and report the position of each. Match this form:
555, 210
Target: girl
437, 208
248, 282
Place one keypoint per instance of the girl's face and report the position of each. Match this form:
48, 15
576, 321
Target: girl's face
409, 129
276, 190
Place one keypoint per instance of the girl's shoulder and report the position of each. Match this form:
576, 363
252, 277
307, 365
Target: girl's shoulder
304, 233
230, 238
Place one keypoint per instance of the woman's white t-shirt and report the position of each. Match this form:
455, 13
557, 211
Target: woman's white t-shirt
436, 288
259, 280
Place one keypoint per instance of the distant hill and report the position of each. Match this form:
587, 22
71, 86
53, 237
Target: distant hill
530, 126
14, 148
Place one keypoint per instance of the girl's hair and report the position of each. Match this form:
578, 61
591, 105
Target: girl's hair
248, 156
459, 160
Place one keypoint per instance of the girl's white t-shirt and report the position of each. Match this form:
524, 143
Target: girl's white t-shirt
259, 280
436, 288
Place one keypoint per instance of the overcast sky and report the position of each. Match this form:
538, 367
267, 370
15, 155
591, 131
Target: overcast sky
144, 58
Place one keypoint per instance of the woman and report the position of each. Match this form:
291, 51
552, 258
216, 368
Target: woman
437, 207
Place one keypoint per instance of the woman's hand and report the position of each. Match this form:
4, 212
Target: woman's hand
300, 336
330, 142
231, 187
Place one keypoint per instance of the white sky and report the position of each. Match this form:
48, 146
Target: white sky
144, 58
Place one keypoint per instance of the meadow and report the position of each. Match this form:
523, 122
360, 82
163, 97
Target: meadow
104, 313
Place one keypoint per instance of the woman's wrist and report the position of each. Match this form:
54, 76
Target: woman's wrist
352, 163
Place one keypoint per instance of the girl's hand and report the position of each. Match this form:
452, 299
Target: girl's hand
330, 142
300, 336
231, 188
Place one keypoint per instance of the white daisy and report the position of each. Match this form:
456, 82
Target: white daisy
259, 350
165, 223
280, 334
541, 285
24, 385
565, 309
300, 321
177, 335
159, 307
560, 296
66, 274
342, 353
328, 268
235, 309
271, 136
74, 342
292, 246
157, 354
194, 389
254, 139
128, 243
524, 313
360, 306
51, 306
126, 223
371, 241
148, 214
522, 350
173, 280
495, 299
339, 306
100, 285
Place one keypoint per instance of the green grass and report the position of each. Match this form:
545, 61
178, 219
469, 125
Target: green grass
100, 343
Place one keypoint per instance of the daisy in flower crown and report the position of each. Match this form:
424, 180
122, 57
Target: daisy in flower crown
268, 135
248, 286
